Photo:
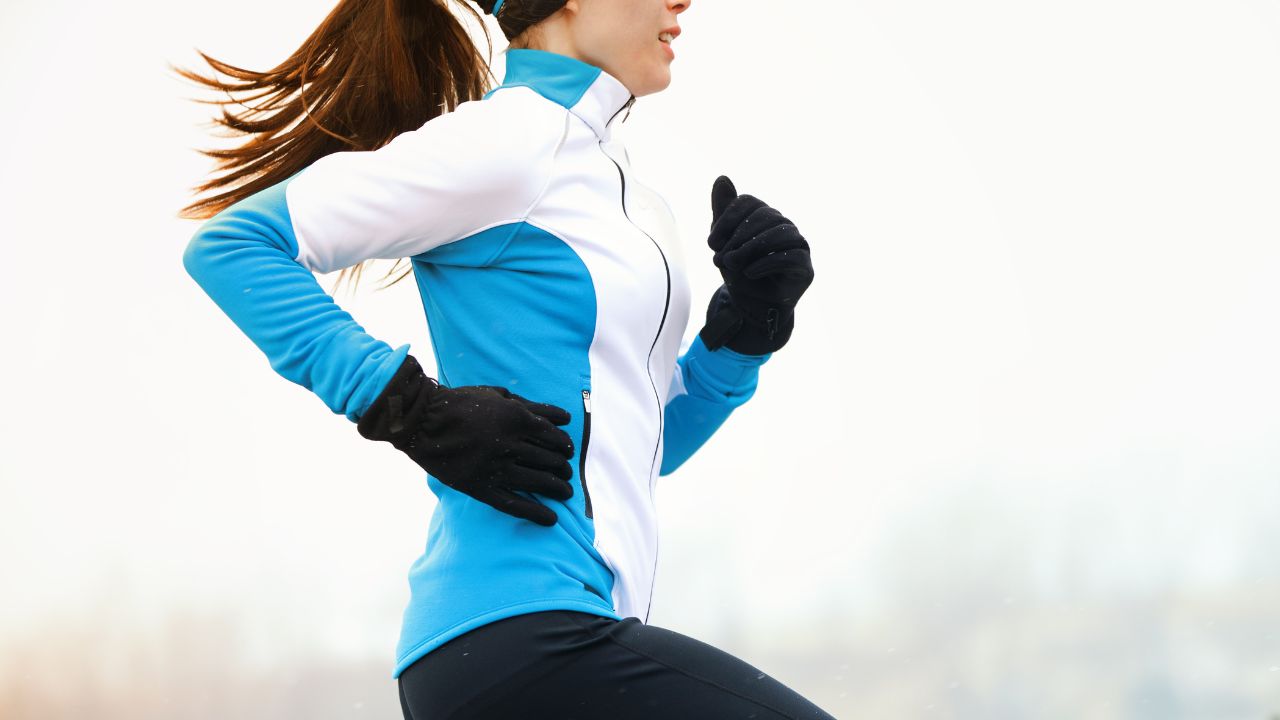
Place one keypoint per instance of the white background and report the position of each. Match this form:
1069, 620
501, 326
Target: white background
1020, 459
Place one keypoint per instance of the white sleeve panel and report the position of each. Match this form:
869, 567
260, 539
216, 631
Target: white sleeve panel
483, 164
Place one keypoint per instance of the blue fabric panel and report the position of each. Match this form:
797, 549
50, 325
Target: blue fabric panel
716, 383
243, 257
524, 322
556, 77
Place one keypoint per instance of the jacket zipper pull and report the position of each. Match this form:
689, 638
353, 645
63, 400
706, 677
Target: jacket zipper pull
582, 452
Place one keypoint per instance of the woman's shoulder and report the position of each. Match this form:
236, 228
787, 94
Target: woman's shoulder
504, 126
502, 146
483, 163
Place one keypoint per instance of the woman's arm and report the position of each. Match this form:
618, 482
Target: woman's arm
457, 174
705, 388
245, 260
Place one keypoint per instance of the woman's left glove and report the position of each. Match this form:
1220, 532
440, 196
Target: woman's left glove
766, 268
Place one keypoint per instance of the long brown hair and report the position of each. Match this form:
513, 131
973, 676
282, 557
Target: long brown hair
373, 69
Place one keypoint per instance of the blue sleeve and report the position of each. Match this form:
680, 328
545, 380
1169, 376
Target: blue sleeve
706, 388
245, 260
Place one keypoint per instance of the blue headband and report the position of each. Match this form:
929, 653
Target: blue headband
496, 6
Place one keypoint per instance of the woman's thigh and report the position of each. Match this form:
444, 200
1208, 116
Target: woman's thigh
577, 666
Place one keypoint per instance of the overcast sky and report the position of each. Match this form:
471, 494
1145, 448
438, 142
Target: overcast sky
1038, 362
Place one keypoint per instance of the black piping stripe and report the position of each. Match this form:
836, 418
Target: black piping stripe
666, 308
582, 455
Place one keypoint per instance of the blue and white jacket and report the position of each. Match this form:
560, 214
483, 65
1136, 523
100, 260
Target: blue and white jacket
545, 267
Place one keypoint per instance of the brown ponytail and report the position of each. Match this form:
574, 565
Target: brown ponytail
372, 70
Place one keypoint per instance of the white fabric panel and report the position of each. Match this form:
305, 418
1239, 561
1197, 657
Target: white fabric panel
630, 374
459, 173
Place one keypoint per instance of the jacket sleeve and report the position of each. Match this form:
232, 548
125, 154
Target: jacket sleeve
705, 388
411, 197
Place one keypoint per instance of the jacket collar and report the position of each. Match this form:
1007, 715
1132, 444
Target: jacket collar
586, 90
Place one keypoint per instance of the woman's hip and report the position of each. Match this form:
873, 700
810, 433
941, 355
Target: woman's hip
565, 664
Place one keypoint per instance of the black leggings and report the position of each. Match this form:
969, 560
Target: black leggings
570, 665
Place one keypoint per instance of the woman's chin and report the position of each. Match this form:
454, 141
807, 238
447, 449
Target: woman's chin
657, 82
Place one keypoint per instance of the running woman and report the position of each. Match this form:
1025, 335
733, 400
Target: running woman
556, 297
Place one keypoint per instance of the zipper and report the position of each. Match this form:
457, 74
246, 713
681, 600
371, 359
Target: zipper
666, 308
582, 456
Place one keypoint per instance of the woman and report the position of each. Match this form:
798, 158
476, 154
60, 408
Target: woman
544, 268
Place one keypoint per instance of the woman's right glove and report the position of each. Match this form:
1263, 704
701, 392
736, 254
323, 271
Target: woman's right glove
481, 440
766, 268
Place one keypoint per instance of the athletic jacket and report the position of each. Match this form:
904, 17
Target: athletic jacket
544, 267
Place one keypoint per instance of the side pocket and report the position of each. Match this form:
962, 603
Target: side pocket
586, 438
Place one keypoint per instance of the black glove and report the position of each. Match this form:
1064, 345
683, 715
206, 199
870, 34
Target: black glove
766, 268
481, 440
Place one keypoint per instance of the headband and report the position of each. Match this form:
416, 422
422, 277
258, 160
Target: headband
496, 6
